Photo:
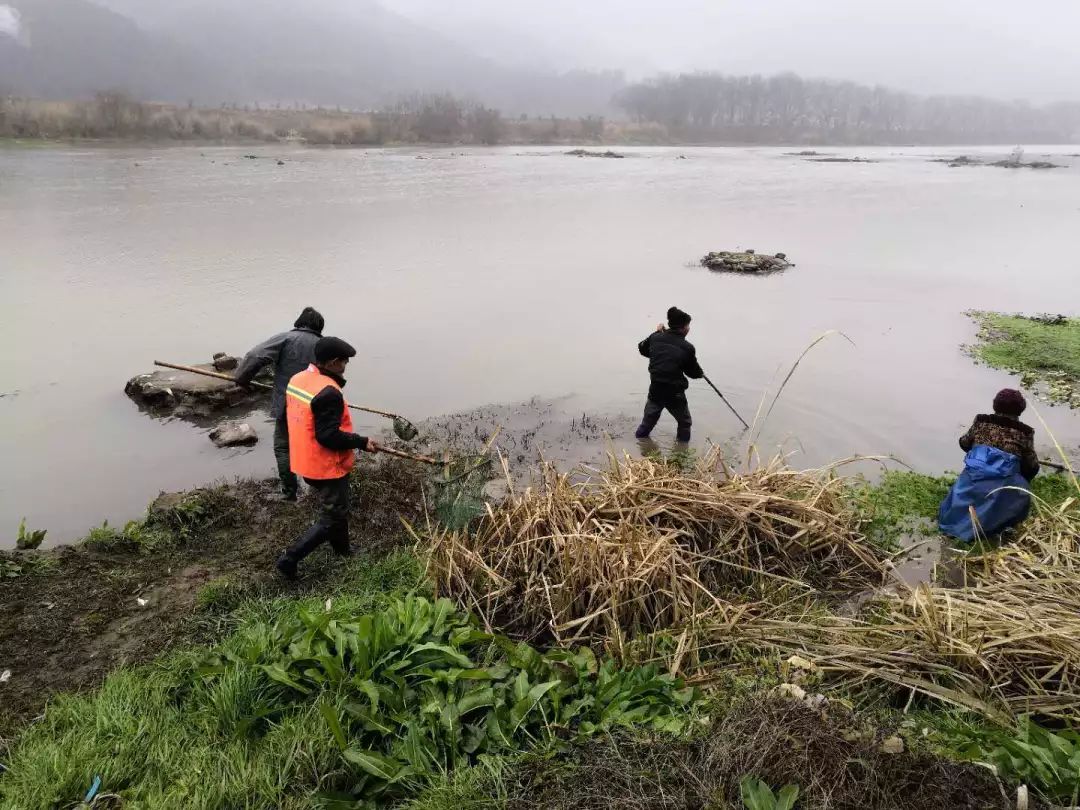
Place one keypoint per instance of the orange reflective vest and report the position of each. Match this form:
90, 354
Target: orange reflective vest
307, 457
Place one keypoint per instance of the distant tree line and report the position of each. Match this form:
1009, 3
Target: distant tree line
787, 108
440, 118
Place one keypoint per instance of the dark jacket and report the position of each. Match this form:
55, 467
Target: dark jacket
326, 409
672, 358
290, 352
1007, 434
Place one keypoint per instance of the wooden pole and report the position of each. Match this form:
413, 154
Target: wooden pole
219, 376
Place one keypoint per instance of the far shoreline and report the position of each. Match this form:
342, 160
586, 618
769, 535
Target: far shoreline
139, 141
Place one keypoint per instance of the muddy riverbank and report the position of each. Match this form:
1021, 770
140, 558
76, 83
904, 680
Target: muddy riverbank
200, 567
125, 595
197, 573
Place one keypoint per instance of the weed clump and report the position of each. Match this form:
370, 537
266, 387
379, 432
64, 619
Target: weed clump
327, 705
642, 547
1043, 350
1005, 644
902, 501
173, 520
1029, 754
14, 566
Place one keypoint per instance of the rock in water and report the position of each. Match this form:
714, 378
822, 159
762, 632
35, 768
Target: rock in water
587, 153
167, 391
232, 434
745, 262
225, 362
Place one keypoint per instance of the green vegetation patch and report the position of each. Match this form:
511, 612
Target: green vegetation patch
173, 520
1030, 754
903, 501
327, 705
1043, 349
14, 566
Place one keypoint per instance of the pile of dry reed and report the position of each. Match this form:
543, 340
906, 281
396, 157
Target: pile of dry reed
1005, 643
642, 547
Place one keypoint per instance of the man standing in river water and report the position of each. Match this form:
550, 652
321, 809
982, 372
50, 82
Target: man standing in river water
322, 448
290, 352
671, 360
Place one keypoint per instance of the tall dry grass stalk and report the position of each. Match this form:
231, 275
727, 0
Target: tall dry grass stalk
1007, 642
642, 547
712, 566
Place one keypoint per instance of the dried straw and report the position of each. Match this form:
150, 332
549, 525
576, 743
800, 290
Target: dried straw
1004, 644
723, 564
642, 547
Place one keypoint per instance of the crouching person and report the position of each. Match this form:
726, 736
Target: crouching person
1000, 463
322, 448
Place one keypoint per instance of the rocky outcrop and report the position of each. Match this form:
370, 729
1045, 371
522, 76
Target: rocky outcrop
587, 153
225, 362
745, 262
233, 434
1035, 164
181, 393
962, 160
1010, 163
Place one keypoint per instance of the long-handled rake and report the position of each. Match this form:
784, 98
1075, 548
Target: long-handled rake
717, 390
403, 428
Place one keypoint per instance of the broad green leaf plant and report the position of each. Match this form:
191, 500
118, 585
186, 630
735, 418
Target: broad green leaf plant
416, 690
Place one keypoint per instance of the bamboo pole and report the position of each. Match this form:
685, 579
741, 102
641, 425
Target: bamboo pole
218, 375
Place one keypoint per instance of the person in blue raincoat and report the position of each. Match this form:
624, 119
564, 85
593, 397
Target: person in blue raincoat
1000, 463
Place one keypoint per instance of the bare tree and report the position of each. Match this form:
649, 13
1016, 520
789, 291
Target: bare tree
787, 108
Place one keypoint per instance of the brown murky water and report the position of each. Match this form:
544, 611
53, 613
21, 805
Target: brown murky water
495, 276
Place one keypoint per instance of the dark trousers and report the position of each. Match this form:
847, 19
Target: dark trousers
332, 525
677, 406
289, 484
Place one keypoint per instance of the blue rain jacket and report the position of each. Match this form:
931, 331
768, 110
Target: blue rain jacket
986, 471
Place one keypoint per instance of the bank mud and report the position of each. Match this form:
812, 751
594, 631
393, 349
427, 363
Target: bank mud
123, 596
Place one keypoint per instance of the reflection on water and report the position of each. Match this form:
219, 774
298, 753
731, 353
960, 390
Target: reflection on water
493, 276
924, 557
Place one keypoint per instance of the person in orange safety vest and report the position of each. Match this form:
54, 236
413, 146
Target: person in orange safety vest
322, 448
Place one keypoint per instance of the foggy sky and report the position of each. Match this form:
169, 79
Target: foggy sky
9, 21
997, 48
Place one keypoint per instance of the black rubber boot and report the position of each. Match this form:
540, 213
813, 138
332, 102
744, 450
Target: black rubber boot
339, 540
286, 566
307, 543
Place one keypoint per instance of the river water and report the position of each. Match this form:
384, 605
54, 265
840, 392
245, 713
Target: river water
496, 275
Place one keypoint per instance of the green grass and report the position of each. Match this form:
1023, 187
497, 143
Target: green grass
136, 729
161, 738
1047, 760
479, 787
28, 566
217, 594
1054, 490
907, 502
900, 502
181, 523
344, 702
1042, 353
